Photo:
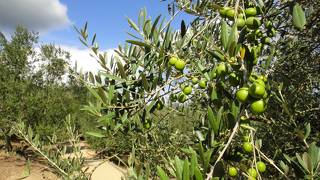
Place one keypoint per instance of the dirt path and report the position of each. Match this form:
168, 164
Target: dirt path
13, 167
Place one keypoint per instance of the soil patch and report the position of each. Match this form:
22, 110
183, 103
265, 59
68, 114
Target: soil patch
14, 168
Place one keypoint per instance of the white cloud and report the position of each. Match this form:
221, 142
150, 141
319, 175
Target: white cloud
83, 59
37, 15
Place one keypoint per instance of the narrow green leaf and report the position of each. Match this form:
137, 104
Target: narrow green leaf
207, 158
307, 131
30, 133
110, 76
301, 162
134, 36
183, 28
93, 39
132, 24
94, 93
235, 110
162, 174
121, 70
147, 28
167, 37
139, 43
214, 94
194, 164
213, 121
98, 79
200, 67
179, 168
289, 159
206, 75
144, 82
314, 152
198, 174
232, 40
103, 95
154, 25
298, 16
110, 93
284, 167
91, 78
186, 170
307, 161
216, 54
95, 134
224, 34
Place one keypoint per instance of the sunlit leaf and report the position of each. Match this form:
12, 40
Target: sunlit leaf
133, 25
162, 174
139, 43
95, 134
298, 16
224, 34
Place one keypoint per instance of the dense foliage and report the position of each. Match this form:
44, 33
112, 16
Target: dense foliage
35, 87
234, 81
233, 94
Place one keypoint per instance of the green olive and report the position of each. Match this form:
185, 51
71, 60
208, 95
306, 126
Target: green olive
251, 12
242, 94
253, 23
241, 23
258, 106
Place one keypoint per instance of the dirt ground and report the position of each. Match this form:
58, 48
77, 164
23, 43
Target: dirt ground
14, 167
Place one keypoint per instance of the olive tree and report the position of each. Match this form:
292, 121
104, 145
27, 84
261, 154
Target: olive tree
32, 88
221, 69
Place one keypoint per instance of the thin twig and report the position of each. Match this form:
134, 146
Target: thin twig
234, 131
271, 162
39, 151
254, 154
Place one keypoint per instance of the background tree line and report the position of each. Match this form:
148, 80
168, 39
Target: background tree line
37, 86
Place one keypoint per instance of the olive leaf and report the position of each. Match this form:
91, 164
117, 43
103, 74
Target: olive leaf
162, 174
95, 134
132, 24
139, 43
198, 174
232, 40
213, 121
224, 34
186, 170
194, 163
179, 167
314, 153
307, 131
183, 28
298, 16
154, 25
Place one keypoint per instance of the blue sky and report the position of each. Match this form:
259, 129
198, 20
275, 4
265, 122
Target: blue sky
107, 19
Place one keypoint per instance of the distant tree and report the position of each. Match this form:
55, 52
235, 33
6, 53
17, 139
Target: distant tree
34, 85
14, 77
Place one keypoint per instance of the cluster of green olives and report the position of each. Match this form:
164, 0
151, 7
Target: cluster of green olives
187, 88
243, 18
178, 63
255, 94
251, 172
